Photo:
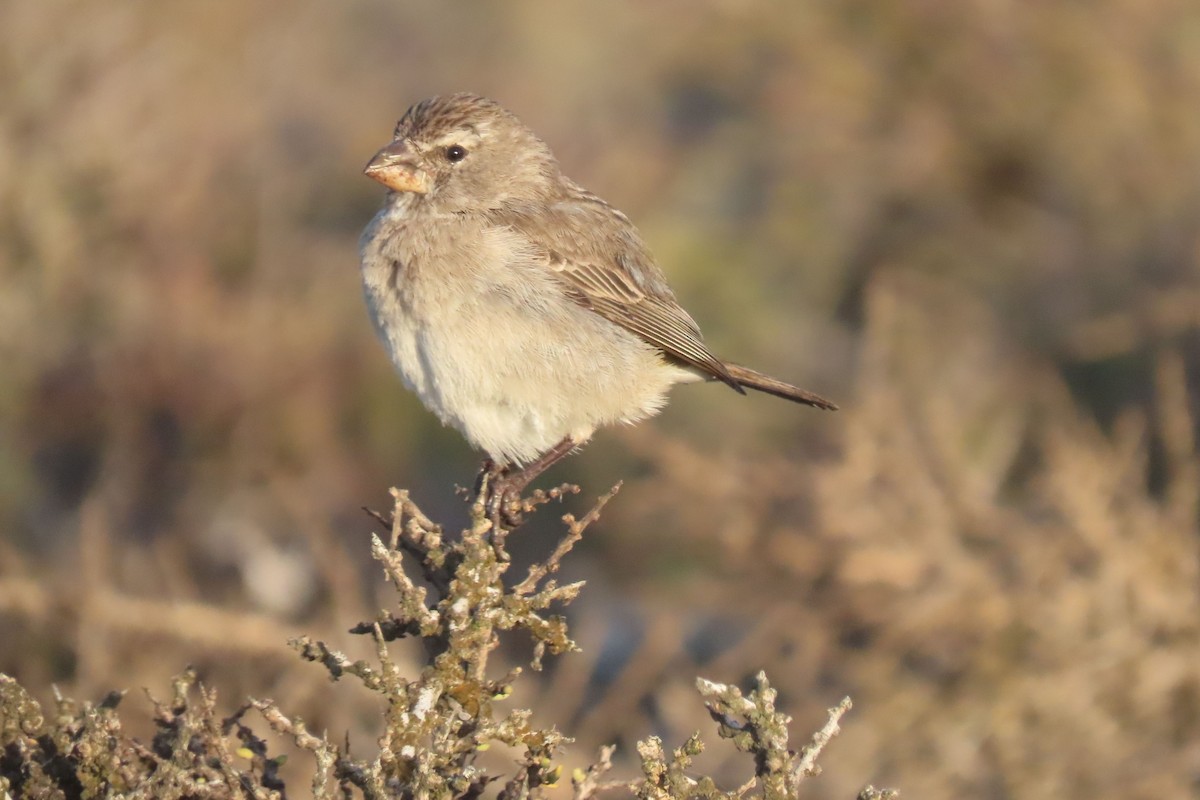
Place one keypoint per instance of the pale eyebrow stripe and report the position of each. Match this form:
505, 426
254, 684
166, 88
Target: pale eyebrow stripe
457, 134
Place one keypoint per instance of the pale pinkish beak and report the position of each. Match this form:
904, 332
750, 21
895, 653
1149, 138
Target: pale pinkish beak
395, 166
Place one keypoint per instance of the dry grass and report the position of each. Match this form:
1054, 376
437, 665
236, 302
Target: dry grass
974, 225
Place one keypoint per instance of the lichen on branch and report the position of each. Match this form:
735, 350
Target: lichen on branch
453, 594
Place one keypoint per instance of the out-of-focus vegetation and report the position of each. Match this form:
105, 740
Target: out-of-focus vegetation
975, 225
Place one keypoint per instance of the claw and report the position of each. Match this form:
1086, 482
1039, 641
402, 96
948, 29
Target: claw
504, 506
502, 488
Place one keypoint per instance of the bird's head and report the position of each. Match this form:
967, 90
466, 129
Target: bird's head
463, 152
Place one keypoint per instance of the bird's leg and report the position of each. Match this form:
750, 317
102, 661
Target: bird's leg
505, 488
489, 473
517, 481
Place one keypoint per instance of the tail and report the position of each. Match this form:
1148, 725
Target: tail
765, 383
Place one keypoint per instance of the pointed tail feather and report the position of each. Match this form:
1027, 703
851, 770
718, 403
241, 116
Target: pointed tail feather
752, 379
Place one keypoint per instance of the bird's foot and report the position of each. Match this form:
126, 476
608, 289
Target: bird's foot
504, 505
508, 506
501, 488
500, 495
489, 473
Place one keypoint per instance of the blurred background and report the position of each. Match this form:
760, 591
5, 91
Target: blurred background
975, 225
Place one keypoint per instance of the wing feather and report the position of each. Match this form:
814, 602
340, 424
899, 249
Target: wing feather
604, 265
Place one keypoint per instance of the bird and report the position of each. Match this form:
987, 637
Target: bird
522, 309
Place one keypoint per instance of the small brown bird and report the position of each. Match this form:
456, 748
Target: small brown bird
522, 309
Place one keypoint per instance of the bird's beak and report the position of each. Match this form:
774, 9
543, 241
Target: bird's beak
395, 166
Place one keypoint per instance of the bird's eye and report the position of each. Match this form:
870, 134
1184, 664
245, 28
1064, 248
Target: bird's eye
456, 152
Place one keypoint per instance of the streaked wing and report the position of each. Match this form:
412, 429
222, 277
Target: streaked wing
604, 265
657, 320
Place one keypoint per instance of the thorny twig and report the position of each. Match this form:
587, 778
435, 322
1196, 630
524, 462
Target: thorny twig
575, 529
807, 765
435, 722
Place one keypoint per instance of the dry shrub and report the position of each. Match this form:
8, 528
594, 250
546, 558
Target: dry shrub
1008, 591
439, 722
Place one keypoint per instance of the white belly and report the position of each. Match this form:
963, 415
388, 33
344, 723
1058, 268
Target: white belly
503, 355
